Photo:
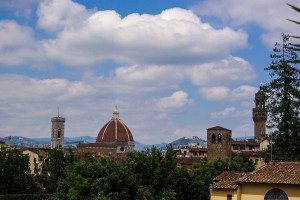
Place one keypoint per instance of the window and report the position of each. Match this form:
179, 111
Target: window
276, 194
213, 138
229, 197
58, 133
34, 160
219, 138
235, 147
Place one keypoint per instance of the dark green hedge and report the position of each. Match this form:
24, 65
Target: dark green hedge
27, 197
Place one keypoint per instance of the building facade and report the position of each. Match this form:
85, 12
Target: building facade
276, 180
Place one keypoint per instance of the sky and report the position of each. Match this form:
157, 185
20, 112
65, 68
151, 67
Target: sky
173, 67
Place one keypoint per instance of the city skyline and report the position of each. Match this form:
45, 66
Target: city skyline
173, 68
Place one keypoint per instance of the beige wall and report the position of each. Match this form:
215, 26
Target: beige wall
33, 156
258, 191
255, 191
221, 194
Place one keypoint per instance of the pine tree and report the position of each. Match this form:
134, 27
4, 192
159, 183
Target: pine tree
284, 101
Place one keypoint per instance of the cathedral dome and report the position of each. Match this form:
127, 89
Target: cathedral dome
114, 130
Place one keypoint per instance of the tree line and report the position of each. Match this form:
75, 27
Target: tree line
144, 175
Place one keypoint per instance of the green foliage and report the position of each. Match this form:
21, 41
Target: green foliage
15, 173
284, 101
145, 175
95, 179
27, 197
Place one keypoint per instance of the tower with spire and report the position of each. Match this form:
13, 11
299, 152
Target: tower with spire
58, 132
259, 115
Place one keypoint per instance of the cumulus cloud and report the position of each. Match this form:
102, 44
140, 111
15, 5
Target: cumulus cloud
270, 15
150, 76
232, 69
220, 93
56, 15
177, 100
230, 112
31, 89
224, 113
174, 36
17, 45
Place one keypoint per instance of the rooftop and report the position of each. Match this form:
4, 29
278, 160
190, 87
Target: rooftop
278, 172
227, 180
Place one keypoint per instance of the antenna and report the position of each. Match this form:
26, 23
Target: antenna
58, 111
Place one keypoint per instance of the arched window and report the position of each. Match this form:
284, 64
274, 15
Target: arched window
276, 194
58, 133
213, 138
219, 138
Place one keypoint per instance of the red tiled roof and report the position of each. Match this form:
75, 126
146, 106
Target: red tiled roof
275, 172
245, 152
227, 180
245, 142
218, 128
192, 149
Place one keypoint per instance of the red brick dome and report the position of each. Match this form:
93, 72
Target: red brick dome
114, 130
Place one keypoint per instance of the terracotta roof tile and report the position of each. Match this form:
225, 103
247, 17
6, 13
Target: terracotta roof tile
275, 172
227, 180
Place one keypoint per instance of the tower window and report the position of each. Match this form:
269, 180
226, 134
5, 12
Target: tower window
219, 138
213, 138
58, 133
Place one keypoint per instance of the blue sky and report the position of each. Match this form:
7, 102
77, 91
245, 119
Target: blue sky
173, 67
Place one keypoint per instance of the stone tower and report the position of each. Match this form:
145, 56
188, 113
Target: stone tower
259, 115
218, 143
58, 132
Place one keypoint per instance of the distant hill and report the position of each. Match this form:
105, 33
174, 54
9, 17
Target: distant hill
187, 141
18, 141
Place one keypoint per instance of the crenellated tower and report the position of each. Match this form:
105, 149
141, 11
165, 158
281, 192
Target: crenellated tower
259, 115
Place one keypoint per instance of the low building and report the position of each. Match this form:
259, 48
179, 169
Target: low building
276, 180
36, 158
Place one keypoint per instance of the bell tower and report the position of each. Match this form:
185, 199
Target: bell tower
259, 115
218, 143
58, 132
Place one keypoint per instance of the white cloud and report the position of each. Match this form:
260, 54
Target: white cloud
231, 112
270, 15
232, 69
221, 93
224, 113
30, 89
56, 15
216, 93
174, 36
17, 45
177, 100
153, 76
243, 92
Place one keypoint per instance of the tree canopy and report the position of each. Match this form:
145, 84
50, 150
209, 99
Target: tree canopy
283, 101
